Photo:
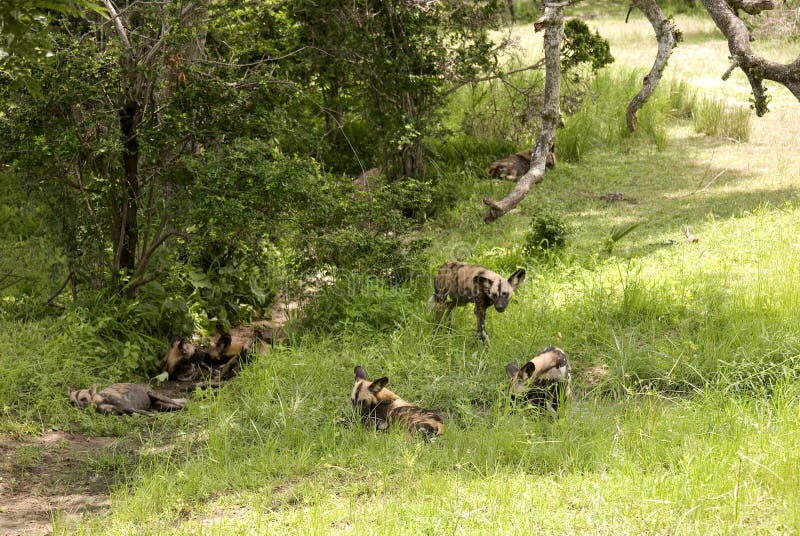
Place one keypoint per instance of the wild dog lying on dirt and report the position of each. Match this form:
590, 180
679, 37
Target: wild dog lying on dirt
229, 351
468, 283
516, 165
380, 407
181, 362
544, 381
124, 399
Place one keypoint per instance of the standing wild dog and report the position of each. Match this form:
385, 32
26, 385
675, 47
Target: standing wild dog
468, 283
124, 399
543, 381
380, 407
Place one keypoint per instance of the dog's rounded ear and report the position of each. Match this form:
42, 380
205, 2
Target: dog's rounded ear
378, 384
528, 369
92, 390
512, 369
72, 394
224, 340
360, 373
175, 341
482, 282
517, 278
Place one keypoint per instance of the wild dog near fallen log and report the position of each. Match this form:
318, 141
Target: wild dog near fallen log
458, 283
514, 166
124, 399
544, 381
379, 407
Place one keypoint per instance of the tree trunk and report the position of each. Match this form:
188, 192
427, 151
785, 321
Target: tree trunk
130, 117
553, 23
667, 40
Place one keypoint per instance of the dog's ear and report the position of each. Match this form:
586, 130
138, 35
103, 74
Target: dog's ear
528, 369
512, 369
483, 283
516, 278
92, 390
72, 394
378, 384
360, 373
224, 340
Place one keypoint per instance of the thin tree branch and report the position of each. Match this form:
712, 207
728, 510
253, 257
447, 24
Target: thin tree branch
115, 18
756, 68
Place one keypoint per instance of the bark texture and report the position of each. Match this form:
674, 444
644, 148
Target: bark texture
553, 24
756, 68
667, 37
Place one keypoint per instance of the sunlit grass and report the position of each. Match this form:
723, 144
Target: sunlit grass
685, 356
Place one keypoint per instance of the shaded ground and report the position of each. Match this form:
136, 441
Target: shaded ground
55, 476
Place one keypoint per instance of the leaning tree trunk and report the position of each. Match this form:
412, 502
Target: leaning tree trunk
553, 24
667, 37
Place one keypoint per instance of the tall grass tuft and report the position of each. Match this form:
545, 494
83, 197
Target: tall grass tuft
713, 117
599, 124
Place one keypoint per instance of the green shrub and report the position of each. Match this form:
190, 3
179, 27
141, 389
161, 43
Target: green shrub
548, 232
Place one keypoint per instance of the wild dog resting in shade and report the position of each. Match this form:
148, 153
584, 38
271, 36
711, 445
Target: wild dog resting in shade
124, 399
380, 407
181, 362
544, 381
228, 353
516, 165
458, 283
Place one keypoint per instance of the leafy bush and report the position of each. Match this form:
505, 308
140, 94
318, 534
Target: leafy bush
358, 303
548, 232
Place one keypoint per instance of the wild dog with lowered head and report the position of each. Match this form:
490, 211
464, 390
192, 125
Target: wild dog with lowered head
380, 407
544, 381
182, 359
516, 165
468, 283
229, 351
124, 399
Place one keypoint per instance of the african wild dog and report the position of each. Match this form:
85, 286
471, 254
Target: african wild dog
516, 165
182, 359
468, 283
230, 352
544, 381
124, 399
380, 407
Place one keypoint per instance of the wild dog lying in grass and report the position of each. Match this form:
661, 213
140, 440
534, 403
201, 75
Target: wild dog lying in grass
380, 407
458, 283
516, 165
124, 399
181, 362
544, 381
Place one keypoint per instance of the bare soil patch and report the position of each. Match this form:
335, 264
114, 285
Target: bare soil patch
55, 476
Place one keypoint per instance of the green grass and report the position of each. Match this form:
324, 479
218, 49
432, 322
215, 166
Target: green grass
686, 357
715, 118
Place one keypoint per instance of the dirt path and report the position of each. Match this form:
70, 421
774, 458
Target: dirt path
55, 476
